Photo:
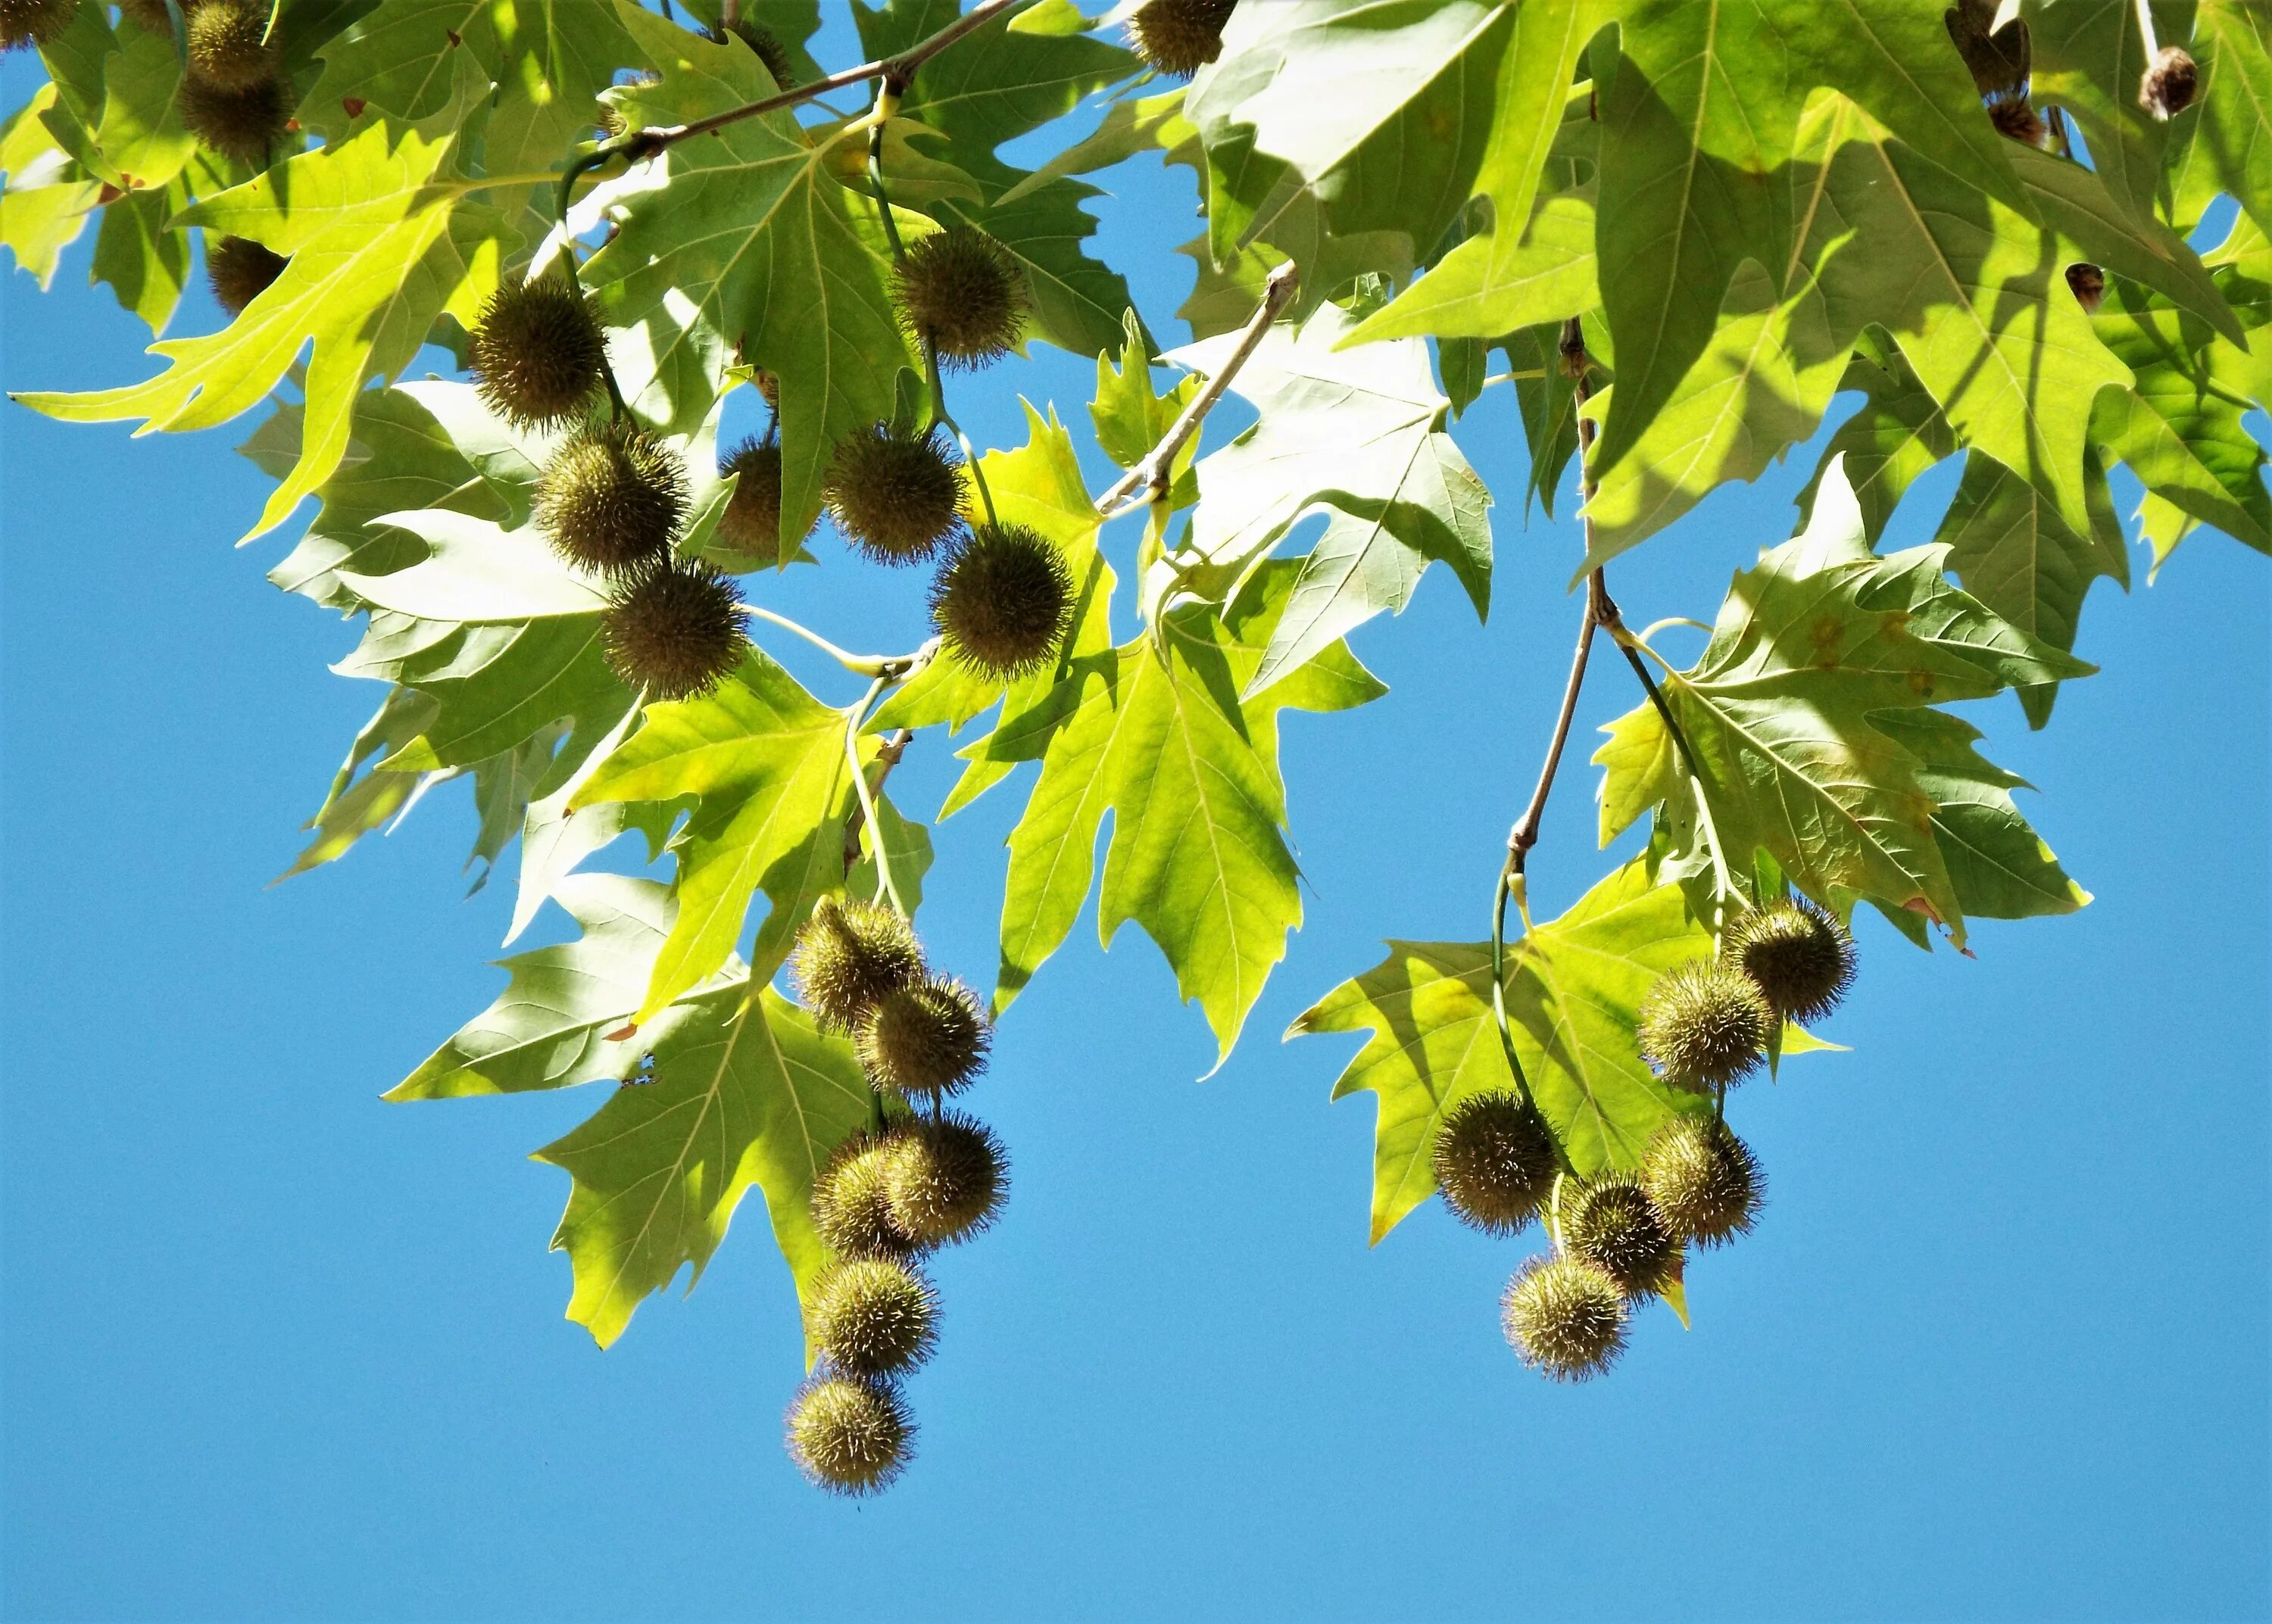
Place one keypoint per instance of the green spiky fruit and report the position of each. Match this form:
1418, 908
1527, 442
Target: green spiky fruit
770, 51
2170, 84
228, 43
1702, 1179
537, 353
1704, 1024
612, 498
926, 1040
851, 1208
896, 496
33, 22
1004, 602
750, 523
874, 1317
672, 630
946, 1179
1494, 1161
1179, 37
1611, 1224
240, 271
961, 290
1797, 954
849, 1435
1564, 1318
245, 124
850, 957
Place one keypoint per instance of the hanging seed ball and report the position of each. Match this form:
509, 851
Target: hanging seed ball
1564, 1318
1702, 1179
751, 521
229, 46
243, 124
1004, 602
537, 353
2170, 82
770, 51
150, 14
674, 628
849, 1435
2013, 116
612, 498
874, 1317
240, 271
896, 496
851, 1211
960, 289
1800, 958
2089, 285
926, 1040
1494, 1161
1613, 1226
850, 955
769, 388
1704, 1024
946, 1179
32, 22
1179, 37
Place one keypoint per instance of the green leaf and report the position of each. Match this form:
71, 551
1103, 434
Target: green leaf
2089, 58
1886, 446
357, 806
134, 142
47, 196
2228, 146
145, 265
1573, 990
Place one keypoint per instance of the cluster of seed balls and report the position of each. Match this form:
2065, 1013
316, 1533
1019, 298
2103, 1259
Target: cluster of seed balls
1002, 599
926, 1178
1622, 1236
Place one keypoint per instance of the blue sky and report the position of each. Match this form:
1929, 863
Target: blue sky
271, 1349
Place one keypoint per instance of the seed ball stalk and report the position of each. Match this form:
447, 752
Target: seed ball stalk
849, 1435
1564, 1318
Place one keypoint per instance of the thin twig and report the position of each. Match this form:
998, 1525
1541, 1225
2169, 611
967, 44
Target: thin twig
1153, 475
898, 668
853, 720
887, 757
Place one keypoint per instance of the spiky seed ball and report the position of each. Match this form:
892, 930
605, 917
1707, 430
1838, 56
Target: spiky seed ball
229, 45
897, 497
1570, 350
32, 22
1494, 1161
770, 51
874, 1317
1704, 1024
851, 1210
673, 628
1179, 37
926, 1040
1004, 602
1612, 1224
612, 498
850, 955
1564, 1318
240, 271
2014, 116
960, 289
1800, 958
2089, 284
244, 124
2171, 82
150, 14
946, 1179
1703, 1181
537, 353
849, 1435
751, 521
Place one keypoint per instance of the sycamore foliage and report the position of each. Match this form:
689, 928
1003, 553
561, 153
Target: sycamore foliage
1745, 219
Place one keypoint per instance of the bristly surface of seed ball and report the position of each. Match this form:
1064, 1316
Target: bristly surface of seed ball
2014, 116
770, 51
849, 1435
851, 1210
750, 523
1494, 1161
925, 1041
896, 496
1613, 1225
674, 628
1004, 602
1179, 37
850, 955
2088, 282
1564, 1318
1704, 1024
537, 353
2170, 82
960, 289
229, 45
150, 14
945, 1178
244, 124
240, 271
1703, 1181
33, 22
874, 1317
1800, 958
612, 498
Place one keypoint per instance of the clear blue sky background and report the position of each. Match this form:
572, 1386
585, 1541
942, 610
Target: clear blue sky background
275, 1350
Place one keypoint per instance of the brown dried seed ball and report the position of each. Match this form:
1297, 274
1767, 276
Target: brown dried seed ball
1494, 1161
1702, 1179
2170, 84
673, 630
750, 523
1797, 955
1704, 1024
851, 1211
537, 353
1004, 602
612, 498
850, 955
849, 1435
961, 290
945, 1178
1179, 37
228, 47
244, 124
897, 497
874, 1317
1564, 1318
2013, 116
240, 271
926, 1040
2089, 284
